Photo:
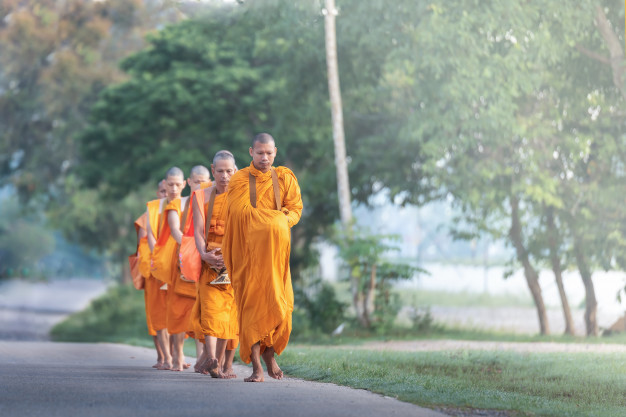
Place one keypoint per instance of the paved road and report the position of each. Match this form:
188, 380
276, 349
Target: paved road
66, 379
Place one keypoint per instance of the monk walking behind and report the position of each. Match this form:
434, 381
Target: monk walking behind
182, 292
216, 314
263, 205
144, 267
155, 289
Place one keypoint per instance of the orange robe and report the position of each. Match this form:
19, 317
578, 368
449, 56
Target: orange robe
143, 257
156, 298
256, 251
215, 310
178, 306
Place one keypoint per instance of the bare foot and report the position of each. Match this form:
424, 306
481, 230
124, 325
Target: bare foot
156, 365
229, 373
177, 367
255, 377
213, 368
165, 366
186, 365
272, 367
202, 366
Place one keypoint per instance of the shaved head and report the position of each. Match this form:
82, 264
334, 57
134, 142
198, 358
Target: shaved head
174, 172
199, 170
263, 138
223, 155
199, 175
161, 189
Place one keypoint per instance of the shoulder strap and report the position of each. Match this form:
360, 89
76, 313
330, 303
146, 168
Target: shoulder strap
209, 214
276, 189
252, 184
185, 214
161, 218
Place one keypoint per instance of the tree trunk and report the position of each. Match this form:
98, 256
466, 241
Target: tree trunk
336, 110
615, 49
532, 278
555, 260
591, 304
343, 184
368, 300
357, 297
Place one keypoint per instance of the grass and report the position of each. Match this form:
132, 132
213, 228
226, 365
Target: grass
548, 384
563, 384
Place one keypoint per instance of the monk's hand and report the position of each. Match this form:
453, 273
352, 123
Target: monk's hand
214, 258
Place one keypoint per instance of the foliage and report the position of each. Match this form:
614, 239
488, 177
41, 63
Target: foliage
546, 384
371, 273
116, 316
23, 241
324, 311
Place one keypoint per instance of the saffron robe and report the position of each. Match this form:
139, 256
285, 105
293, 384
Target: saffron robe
215, 310
155, 297
256, 250
143, 257
178, 306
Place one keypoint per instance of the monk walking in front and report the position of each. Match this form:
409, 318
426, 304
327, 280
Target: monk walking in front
263, 204
215, 305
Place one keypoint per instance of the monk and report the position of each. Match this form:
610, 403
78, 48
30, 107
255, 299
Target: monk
216, 314
199, 177
256, 251
158, 230
178, 305
144, 252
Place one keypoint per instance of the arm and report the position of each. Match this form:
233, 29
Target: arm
210, 257
174, 222
292, 200
151, 238
198, 227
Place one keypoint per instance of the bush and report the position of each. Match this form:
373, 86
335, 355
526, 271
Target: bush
117, 316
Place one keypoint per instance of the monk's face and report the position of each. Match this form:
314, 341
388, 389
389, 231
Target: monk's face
222, 170
162, 190
174, 187
196, 180
263, 155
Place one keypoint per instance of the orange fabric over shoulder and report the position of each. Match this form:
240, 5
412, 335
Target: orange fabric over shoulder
155, 297
256, 251
215, 312
178, 306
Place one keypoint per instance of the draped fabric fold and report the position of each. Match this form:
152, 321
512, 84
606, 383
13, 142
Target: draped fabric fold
256, 250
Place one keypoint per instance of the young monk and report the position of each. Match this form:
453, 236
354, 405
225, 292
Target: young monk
199, 177
256, 254
144, 259
216, 314
158, 230
178, 306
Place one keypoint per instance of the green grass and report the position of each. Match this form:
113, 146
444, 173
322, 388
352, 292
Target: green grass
563, 384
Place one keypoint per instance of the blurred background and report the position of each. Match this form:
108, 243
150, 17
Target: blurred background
485, 152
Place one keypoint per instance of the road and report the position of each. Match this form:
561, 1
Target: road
68, 379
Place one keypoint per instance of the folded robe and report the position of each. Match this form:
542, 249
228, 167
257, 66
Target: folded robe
155, 297
215, 311
178, 306
256, 252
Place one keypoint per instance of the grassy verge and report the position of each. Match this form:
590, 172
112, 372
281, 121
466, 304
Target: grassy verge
563, 384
